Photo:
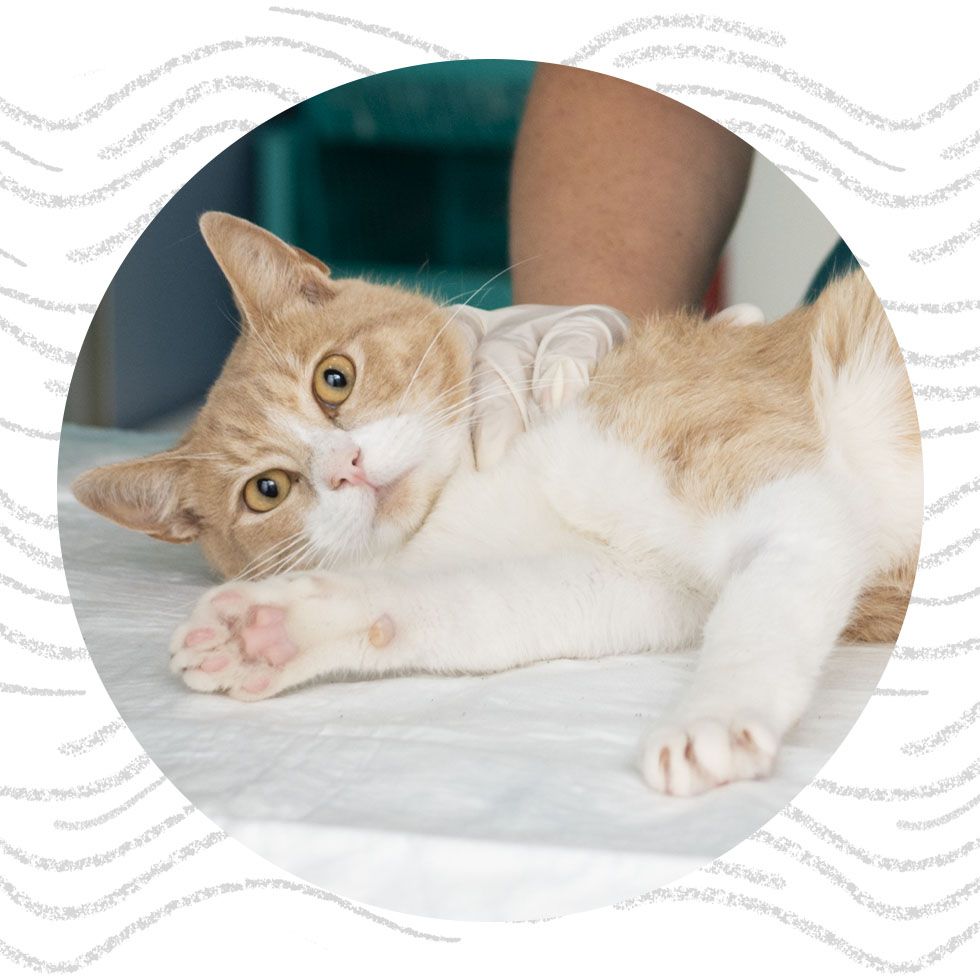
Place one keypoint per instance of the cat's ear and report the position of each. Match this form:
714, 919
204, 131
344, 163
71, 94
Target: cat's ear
143, 494
264, 272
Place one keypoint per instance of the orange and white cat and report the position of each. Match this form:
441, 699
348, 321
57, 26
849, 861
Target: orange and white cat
753, 491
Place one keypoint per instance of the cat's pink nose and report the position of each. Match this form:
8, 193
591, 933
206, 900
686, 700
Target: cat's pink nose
346, 468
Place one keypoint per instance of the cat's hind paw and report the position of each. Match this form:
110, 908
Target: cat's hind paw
689, 759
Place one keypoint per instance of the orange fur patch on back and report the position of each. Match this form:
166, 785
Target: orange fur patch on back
881, 607
722, 410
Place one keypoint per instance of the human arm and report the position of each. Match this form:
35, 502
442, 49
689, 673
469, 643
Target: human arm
619, 195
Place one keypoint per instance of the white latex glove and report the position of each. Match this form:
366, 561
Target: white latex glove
531, 359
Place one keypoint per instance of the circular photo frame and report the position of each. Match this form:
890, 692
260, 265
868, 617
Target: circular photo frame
858, 818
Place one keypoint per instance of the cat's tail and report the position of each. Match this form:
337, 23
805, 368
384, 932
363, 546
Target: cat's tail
859, 383
864, 405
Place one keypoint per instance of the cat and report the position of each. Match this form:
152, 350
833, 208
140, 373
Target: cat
754, 491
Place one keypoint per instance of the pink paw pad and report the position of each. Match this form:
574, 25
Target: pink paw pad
265, 636
213, 664
256, 685
197, 637
227, 601
382, 631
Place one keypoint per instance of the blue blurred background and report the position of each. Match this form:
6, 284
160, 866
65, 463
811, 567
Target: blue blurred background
398, 176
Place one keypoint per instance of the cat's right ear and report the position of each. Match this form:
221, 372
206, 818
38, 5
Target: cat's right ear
265, 274
142, 494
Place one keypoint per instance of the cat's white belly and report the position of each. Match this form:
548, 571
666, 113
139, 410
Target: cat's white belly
565, 484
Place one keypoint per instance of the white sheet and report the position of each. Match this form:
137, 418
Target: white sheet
500, 797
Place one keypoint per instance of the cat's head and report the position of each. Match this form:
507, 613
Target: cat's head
337, 419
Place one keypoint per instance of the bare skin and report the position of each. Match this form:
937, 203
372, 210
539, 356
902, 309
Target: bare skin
619, 195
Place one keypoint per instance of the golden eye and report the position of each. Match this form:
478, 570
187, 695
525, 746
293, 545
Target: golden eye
267, 490
333, 379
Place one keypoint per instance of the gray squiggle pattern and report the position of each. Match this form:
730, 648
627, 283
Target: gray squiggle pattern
415, 42
956, 306
52, 651
867, 192
949, 393
41, 692
959, 359
887, 910
36, 554
701, 22
944, 600
97, 195
813, 930
799, 81
96, 953
12, 426
952, 498
41, 862
950, 430
939, 821
744, 98
13, 258
93, 740
899, 692
55, 306
34, 343
211, 86
36, 593
45, 910
948, 246
733, 869
148, 78
80, 791
123, 237
884, 861
104, 818
945, 652
4, 145
884, 794
934, 741
962, 147
937, 558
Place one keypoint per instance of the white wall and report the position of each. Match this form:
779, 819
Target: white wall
778, 243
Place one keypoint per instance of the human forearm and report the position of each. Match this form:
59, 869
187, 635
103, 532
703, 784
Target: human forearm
619, 195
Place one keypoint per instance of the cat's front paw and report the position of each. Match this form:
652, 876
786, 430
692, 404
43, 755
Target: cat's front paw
252, 640
684, 760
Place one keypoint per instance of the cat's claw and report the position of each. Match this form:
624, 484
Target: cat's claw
693, 758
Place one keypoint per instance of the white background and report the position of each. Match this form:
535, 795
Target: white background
858, 891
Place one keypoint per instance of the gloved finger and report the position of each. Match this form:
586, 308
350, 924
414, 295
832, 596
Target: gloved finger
740, 315
571, 350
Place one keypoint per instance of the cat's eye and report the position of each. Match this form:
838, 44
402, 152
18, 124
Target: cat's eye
267, 490
333, 379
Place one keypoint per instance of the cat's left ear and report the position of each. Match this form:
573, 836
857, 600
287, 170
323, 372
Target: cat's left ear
143, 494
265, 274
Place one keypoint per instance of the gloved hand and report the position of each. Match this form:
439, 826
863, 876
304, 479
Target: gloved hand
531, 359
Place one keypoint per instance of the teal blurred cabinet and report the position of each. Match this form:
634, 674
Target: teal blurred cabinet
401, 176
